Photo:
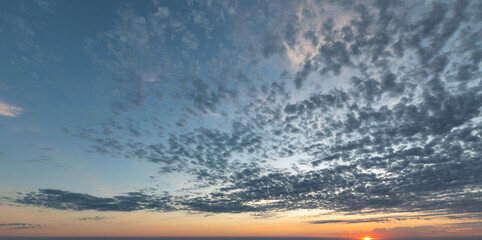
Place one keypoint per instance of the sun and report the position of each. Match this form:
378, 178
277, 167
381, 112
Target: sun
367, 238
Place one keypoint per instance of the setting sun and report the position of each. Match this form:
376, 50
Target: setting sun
367, 238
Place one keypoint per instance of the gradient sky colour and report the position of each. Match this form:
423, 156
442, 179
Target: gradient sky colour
339, 119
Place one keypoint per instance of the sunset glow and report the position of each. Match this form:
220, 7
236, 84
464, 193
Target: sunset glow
241, 119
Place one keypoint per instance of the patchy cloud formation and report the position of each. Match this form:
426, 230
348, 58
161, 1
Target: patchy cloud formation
9, 110
354, 107
397, 135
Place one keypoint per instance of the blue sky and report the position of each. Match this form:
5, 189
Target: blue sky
265, 109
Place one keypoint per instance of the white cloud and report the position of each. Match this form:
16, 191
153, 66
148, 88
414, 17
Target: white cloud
9, 110
162, 12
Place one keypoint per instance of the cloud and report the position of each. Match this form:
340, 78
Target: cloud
400, 231
383, 115
389, 218
42, 158
64, 200
273, 45
9, 110
44, 5
162, 12
367, 220
16, 226
96, 218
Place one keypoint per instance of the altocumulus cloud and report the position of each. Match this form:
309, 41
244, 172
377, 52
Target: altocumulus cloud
394, 127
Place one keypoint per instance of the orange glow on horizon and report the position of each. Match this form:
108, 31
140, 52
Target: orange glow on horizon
367, 238
59, 223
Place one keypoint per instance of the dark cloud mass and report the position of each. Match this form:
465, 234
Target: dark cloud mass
58, 199
399, 132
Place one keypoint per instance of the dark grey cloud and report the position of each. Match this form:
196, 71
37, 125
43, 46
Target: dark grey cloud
16, 226
334, 57
205, 99
290, 31
64, 200
303, 74
273, 45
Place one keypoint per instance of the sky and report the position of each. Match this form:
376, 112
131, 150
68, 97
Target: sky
336, 119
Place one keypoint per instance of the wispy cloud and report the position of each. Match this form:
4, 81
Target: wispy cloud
9, 110
14, 226
96, 218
